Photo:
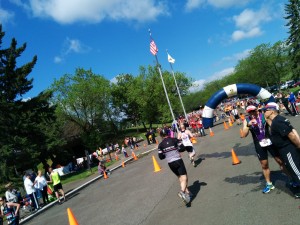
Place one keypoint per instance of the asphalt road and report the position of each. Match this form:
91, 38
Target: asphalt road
224, 194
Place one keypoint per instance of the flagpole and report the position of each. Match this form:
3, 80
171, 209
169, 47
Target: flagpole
187, 120
162, 79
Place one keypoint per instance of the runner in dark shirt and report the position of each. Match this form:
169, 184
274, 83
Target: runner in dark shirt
287, 140
256, 124
169, 149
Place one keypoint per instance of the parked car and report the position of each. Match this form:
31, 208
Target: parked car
296, 84
273, 88
287, 84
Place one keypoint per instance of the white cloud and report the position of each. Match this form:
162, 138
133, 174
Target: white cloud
227, 3
249, 23
94, 11
25, 99
193, 4
240, 34
58, 59
197, 85
222, 73
5, 16
238, 56
71, 46
249, 19
114, 80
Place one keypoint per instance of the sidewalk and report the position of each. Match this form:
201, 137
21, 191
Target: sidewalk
141, 150
72, 187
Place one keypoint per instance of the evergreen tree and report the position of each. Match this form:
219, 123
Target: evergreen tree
24, 125
292, 10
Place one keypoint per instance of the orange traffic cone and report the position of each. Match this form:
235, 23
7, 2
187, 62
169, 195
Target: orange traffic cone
194, 140
229, 122
123, 164
117, 158
241, 133
155, 164
225, 126
105, 175
134, 156
157, 142
72, 219
235, 159
211, 133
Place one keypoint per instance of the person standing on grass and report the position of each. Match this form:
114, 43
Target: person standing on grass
41, 184
292, 101
169, 149
9, 194
30, 190
124, 151
285, 102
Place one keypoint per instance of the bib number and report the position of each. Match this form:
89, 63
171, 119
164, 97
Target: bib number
265, 142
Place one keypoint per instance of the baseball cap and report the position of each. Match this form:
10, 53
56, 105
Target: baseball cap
251, 108
271, 105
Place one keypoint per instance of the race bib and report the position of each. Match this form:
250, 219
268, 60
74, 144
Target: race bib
265, 142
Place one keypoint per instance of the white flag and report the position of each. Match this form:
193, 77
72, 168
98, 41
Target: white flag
170, 59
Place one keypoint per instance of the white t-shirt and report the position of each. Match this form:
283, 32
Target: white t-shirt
185, 139
28, 186
10, 197
40, 182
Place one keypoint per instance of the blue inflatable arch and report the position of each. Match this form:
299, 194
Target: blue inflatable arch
229, 91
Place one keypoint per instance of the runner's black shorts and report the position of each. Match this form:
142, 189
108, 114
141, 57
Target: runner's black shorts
178, 167
57, 187
189, 148
262, 152
236, 117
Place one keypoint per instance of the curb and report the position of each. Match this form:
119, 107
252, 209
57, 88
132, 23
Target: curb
78, 188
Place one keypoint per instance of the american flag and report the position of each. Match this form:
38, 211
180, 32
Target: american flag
153, 47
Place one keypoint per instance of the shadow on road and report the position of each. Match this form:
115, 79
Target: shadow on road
279, 179
199, 160
72, 195
247, 150
194, 189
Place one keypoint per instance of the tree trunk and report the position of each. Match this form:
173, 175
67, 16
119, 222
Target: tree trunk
144, 125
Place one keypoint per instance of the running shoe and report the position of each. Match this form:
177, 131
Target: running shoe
297, 195
268, 188
194, 164
185, 197
193, 161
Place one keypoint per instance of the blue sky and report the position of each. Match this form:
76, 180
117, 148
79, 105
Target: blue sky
206, 37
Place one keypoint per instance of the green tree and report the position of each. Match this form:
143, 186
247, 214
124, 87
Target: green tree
153, 101
84, 99
265, 65
125, 95
292, 10
21, 132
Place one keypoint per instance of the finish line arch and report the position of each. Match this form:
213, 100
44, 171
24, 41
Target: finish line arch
229, 91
